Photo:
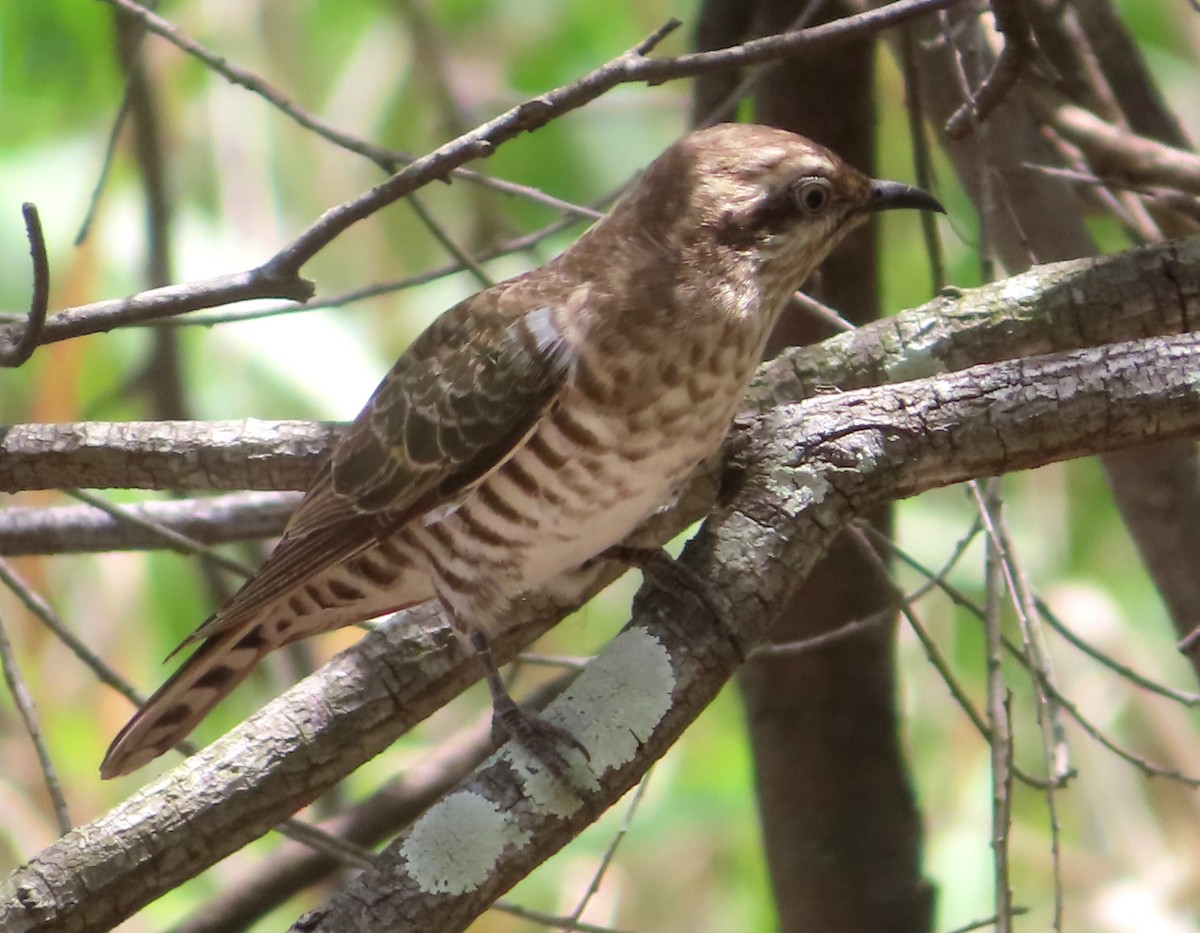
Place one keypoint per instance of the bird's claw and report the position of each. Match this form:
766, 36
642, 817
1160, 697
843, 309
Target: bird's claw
669, 575
678, 580
544, 740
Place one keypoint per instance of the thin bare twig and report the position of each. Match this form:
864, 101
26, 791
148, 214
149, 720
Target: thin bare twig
106, 163
313, 837
1019, 48
1118, 149
23, 345
1182, 697
999, 718
822, 312
831, 637
38, 607
992, 513
1122, 204
959, 598
167, 536
987, 922
550, 920
465, 260
864, 534
1179, 201
932, 652
610, 851
727, 108
1096, 733
110, 148
279, 276
931, 582
25, 707
518, 244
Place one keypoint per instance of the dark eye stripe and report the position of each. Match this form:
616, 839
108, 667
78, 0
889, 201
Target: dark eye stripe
774, 213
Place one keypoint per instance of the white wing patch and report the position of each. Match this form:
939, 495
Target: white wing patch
544, 329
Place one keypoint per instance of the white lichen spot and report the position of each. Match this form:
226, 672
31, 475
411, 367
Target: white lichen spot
808, 488
619, 699
914, 358
612, 707
546, 791
1023, 287
455, 845
865, 458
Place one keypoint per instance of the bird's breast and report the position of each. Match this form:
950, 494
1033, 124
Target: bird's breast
634, 421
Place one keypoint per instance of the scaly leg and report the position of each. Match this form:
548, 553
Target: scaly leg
541, 738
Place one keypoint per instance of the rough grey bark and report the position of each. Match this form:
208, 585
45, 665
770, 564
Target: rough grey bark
162, 455
1151, 291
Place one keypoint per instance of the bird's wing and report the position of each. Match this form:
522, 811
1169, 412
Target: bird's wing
451, 410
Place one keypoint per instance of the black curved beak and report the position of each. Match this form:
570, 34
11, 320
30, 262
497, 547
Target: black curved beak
889, 195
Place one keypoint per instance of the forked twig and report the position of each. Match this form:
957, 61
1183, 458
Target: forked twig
1018, 49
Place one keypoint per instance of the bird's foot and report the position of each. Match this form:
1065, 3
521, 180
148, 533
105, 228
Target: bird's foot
675, 578
545, 741
548, 743
665, 572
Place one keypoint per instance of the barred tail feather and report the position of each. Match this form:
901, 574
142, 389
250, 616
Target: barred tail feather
175, 709
367, 584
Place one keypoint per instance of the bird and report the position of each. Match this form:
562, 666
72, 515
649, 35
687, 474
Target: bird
535, 424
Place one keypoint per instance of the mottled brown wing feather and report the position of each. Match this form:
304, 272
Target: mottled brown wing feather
451, 409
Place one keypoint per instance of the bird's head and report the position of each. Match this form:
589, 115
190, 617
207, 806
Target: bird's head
768, 194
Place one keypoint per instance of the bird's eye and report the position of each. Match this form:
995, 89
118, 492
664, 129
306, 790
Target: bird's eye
812, 195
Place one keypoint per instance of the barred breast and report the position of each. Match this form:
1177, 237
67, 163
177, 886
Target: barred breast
634, 421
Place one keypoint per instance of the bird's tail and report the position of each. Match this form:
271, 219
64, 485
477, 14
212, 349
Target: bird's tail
233, 641
219, 664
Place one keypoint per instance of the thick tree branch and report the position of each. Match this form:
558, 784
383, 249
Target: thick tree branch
807, 469
76, 529
1080, 303
222, 455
